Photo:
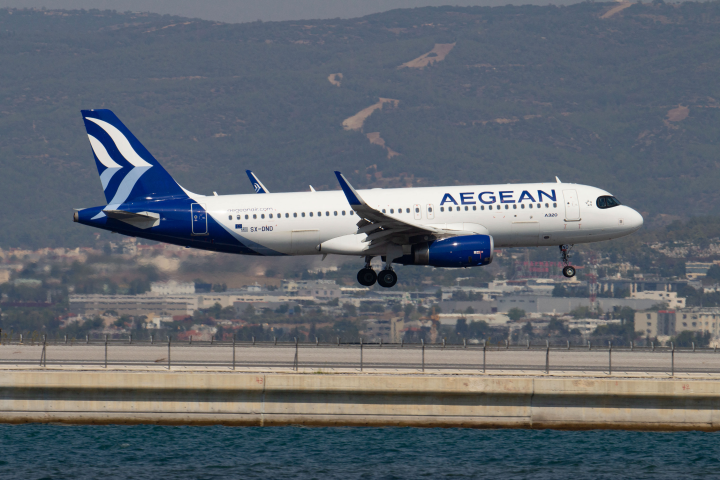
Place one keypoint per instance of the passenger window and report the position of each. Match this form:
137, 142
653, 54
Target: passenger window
392, 210
271, 215
522, 206
311, 214
238, 217
466, 209
254, 216
474, 208
442, 209
429, 209
417, 210
287, 215
383, 210
407, 210
319, 214
327, 214
262, 215
343, 212
539, 205
335, 212
547, 205
530, 205
514, 206
482, 207
507, 207
352, 212
246, 217
554, 205
303, 214
457, 209
229, 217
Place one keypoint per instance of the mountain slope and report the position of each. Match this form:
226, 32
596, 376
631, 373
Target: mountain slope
629, 103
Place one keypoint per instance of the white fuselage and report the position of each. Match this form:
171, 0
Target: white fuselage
519, 215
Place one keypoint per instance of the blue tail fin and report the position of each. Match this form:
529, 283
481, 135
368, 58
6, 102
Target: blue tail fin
128, 172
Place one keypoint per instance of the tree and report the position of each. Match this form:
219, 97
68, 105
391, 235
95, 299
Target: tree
560, 291
687, 338
461, 327
515, 314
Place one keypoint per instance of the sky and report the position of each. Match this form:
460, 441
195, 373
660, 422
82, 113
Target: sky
238, 11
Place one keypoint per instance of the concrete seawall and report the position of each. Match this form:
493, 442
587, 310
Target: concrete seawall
203, 398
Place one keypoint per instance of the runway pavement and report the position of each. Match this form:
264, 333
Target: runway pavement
409, 358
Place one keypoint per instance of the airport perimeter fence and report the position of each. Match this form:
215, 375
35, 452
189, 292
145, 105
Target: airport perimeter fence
361, 356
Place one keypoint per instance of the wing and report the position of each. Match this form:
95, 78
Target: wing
382, 228
256, 183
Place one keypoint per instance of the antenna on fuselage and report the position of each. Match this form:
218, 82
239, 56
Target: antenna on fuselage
557, 180
312, 189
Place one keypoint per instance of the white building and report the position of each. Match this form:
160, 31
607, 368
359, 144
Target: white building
671, 298
172, 288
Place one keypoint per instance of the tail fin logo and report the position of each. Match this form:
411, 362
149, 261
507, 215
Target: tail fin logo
140, 166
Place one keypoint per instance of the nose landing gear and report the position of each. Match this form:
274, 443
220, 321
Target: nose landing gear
568, 270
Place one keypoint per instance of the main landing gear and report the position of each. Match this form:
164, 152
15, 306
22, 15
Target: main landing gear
568, 270
367, 276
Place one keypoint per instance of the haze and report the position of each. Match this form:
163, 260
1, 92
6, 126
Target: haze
238, 11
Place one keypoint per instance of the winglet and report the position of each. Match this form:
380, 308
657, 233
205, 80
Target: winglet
256, 183
352, 196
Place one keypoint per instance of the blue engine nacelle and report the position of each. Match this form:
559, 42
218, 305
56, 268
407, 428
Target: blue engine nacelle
453, 252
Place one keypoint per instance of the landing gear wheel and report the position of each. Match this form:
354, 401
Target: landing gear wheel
367, 277
387, 278
569, 271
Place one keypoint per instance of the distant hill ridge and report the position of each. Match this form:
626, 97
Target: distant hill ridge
629, 103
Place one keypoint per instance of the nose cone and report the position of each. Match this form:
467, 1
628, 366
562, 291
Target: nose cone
633, 220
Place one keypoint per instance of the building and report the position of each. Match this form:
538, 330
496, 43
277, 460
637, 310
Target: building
172, 288
670, 298
656, 324
387, 331
134, 304
694, 270
545, 304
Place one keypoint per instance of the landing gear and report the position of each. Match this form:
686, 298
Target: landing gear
367, 276
387, 278
568, 270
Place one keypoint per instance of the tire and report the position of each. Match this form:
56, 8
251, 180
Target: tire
367, 277
569, 271
387, 278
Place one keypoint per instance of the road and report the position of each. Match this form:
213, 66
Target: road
349, 357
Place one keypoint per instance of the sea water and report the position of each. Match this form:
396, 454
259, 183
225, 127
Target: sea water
159, 452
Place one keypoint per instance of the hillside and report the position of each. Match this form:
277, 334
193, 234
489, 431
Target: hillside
629, 102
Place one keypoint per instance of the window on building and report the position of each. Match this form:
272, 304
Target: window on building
648, 316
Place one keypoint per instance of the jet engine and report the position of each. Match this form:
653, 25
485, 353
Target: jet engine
453, 252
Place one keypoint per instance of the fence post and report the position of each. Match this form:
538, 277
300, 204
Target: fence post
652, 345
212, 339
338, 341
87, 339
65, 339
422, 341
568, 344
42, 354
131, 339
361, 355
464, 343
693, 345
589, 345
169, 364
152, 340
380, 342
233, 351
507, 344
610, 356
106, 337
253, 340
402, 342
672, 359
484, 351
528, 343
190, 339
21, 338
631, 345
275, 340
443, 342
295, 363
317, 341
547, 356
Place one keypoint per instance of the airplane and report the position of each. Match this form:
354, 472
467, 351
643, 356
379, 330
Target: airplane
448, 227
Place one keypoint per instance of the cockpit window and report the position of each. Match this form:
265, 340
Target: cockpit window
607, 202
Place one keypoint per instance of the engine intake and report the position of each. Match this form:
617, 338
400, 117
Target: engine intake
453, 252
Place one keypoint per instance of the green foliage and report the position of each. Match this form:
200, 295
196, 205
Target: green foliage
516, 314
686, 339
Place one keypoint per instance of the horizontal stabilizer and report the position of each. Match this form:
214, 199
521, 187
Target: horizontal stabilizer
143, 220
